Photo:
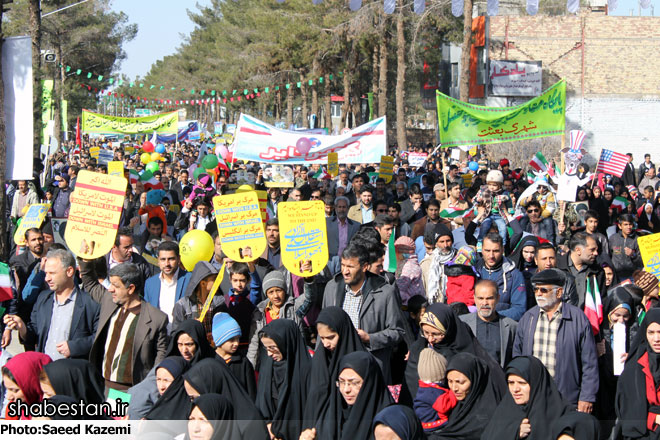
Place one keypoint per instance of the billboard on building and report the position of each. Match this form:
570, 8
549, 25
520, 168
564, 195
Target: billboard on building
515, 78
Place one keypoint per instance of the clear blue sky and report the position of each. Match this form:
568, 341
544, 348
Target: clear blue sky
161, 24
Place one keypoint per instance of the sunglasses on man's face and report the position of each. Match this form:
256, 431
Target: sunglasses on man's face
529, 211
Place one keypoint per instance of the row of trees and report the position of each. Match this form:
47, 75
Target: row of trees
259, 43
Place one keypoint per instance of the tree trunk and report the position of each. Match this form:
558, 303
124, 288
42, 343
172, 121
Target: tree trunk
464, 86
345, 107
375, 80
289, 106
303, 95
315, 94
327, 108
35, 34
278, 106
382, 81
400, 80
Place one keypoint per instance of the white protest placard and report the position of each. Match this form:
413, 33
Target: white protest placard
618, 347
416, 159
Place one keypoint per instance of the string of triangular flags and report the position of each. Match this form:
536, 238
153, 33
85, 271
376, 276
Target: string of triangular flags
224, 92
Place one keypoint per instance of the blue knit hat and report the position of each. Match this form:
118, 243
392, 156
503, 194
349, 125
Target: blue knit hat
224, 328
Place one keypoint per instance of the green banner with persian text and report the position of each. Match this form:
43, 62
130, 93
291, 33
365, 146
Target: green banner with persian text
163, 123
467, 124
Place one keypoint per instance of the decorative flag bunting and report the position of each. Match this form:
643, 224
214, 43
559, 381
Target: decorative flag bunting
611, 162
593, 306
620, 203
5, 283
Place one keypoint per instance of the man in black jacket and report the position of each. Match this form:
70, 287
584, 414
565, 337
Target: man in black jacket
629, 176
581, 263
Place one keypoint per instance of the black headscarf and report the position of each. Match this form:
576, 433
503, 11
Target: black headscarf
632, 406
76, 378
402, 420
544, 407
211, 376
354, 422
58, 400
517, 257
195, 330
174, 403
469, 418
325, 363
458, 339
219, 411
283, 385
578, 425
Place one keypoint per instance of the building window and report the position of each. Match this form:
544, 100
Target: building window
481, 66
336, 110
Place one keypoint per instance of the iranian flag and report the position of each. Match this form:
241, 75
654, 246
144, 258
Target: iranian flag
593, 307
150, 182
454, 213
540, 164
620, 203
133, 176
5, 283
390, 264
321, 174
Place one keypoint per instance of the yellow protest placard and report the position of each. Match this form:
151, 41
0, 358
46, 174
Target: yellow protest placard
33, 218
473, 151
467, 179
214, 290
94, 152
96, 205
303, 236
649, 248
333, 164
263, 199
116, 168
386, 169
240, 225
129, 150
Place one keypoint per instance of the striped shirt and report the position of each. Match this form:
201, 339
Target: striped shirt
118, 361
545, 339
353, 304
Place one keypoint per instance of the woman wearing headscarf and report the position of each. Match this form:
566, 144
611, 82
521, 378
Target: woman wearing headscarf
211, 418
397, 420
360, 395
20, 376
446, 334
337, 338
190, 342
531, 406
477, 394
211, 376
648, 219
618, 308
173, 403
283, 378
76, 378
637, 399
576, 426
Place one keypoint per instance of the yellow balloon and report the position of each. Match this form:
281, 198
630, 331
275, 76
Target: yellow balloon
155, 156
145, 158
195, 246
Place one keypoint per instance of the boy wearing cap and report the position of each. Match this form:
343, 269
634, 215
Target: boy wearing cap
433, 403
497, 204
277, 305
226, 336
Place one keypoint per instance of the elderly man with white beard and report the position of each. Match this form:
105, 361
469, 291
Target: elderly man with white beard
495, 332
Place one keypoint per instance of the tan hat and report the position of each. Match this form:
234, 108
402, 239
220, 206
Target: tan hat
432, 366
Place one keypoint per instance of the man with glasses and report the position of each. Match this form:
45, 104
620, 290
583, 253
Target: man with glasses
535, 224
560, 336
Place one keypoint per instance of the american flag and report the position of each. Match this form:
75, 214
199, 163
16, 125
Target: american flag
612, 163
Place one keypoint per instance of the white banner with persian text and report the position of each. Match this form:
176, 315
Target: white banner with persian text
255, 140
515, 78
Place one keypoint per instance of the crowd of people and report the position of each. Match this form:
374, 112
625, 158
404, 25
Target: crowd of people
504, 312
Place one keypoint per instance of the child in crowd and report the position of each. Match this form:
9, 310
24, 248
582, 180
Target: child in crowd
433, 402
226, 336
408, 271
497, 204
241, 298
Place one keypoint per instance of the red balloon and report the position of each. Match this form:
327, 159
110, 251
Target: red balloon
148, 147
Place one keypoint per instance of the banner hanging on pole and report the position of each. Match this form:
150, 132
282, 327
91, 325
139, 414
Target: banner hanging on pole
461, 123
